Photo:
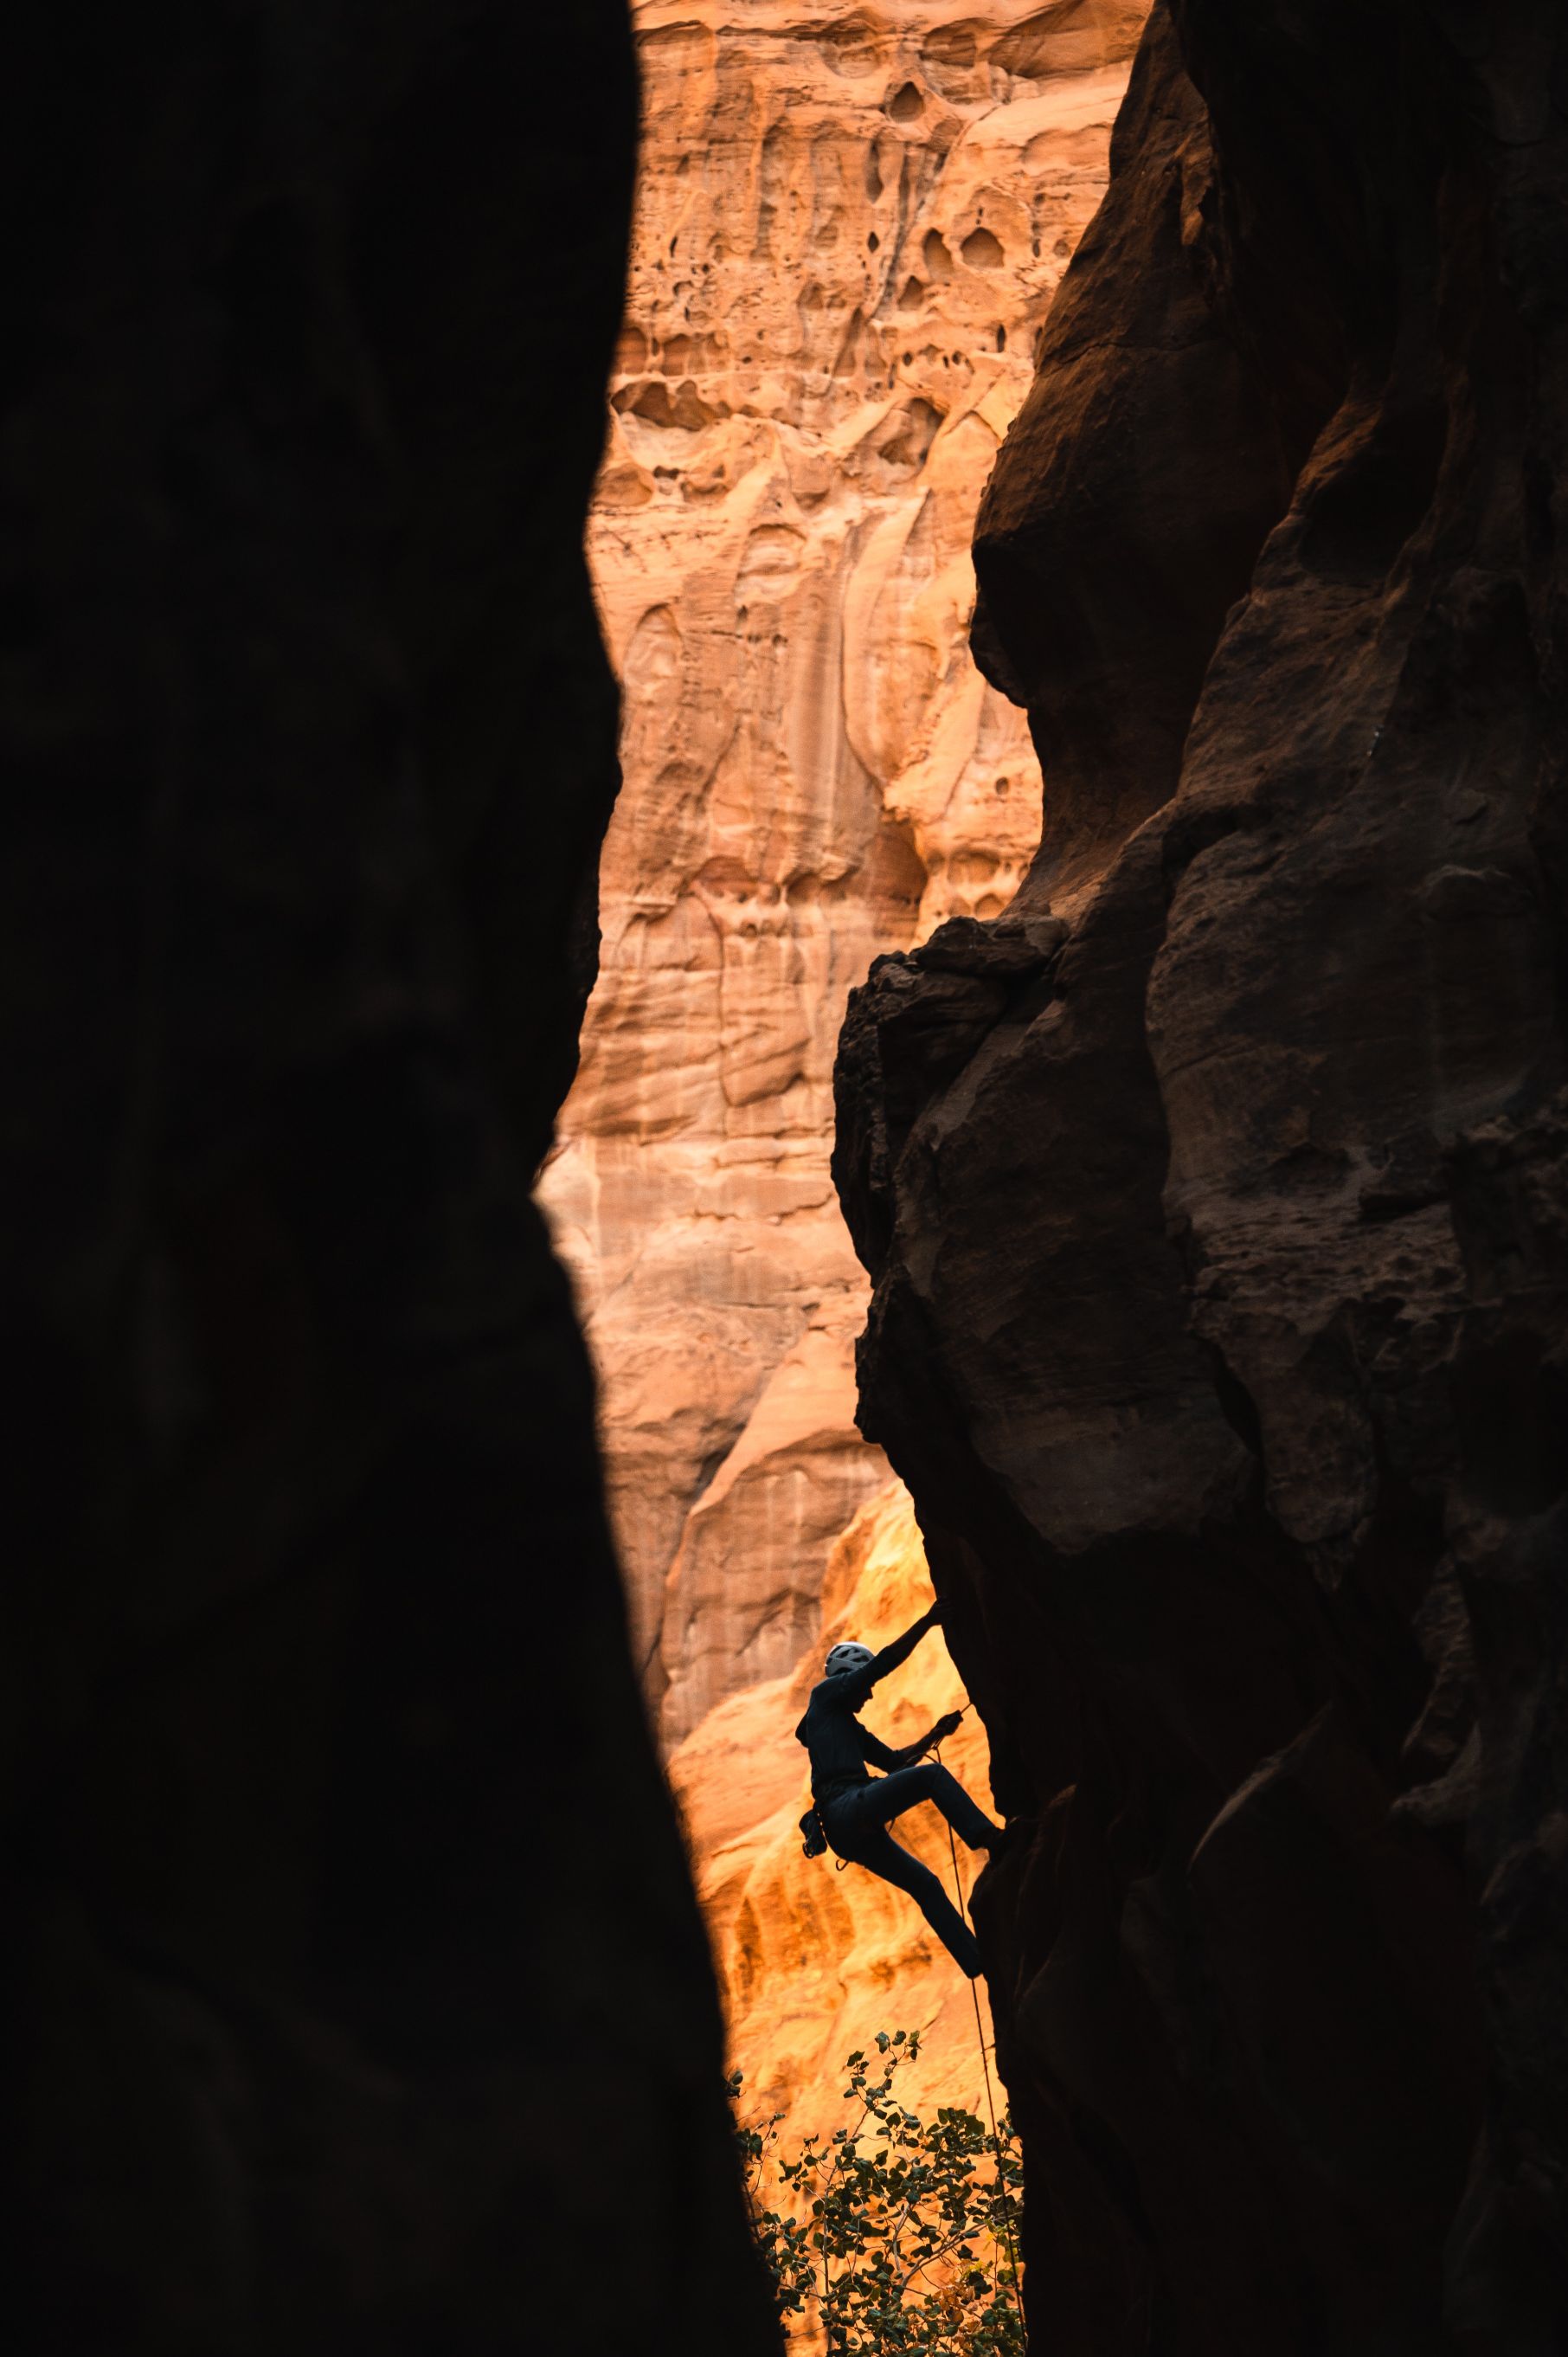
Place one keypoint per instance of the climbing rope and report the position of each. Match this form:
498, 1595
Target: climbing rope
986, 2066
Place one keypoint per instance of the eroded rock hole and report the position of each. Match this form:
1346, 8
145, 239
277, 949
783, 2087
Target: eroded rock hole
982, 249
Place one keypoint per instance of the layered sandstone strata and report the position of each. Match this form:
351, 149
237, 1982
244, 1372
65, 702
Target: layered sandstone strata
1216, 1202
850, 225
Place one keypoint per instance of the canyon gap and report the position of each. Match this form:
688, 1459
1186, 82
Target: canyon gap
850, 227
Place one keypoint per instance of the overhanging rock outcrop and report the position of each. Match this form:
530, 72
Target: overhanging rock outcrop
353, 1997
1215, 1202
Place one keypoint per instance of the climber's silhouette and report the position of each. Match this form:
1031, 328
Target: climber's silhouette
857, 1809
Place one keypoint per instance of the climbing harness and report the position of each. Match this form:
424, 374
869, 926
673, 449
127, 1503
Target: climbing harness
986, 2066
814, 1839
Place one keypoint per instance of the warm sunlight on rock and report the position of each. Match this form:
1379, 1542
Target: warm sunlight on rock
849, 231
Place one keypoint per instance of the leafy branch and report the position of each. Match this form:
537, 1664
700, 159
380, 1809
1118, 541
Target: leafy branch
892, 2236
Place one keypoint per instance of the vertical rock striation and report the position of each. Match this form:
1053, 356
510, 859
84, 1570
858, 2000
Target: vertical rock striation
1215, 1201
850, 226
354, 1997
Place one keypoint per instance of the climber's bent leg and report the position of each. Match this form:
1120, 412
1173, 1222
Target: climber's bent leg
906, 1786
886, 1857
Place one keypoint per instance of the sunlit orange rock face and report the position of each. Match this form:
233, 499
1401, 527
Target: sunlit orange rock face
851, 225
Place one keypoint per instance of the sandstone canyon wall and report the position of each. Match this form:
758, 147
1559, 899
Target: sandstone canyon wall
354, 1995
850, 224
1215, 1205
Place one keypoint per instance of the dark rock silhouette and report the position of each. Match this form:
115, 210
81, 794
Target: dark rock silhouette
354, 1994
1216, 1202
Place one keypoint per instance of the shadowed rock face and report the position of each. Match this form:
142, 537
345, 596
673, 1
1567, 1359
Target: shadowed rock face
1215, 1200
354, 1995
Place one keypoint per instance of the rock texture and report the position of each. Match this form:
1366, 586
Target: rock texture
354, 1997
1215, 1199
850, 225
814, 1961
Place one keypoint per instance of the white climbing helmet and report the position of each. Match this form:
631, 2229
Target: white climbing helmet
847, 1657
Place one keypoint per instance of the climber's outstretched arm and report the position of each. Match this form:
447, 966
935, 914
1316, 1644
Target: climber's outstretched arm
893, 1656
857, 1686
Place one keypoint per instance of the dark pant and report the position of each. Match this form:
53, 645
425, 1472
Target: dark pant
855, 1823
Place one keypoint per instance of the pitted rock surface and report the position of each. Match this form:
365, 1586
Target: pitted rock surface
850, 227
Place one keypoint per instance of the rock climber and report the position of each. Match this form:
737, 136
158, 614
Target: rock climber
855, 1809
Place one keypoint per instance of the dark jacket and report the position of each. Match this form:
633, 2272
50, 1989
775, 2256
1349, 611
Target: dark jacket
838, 1744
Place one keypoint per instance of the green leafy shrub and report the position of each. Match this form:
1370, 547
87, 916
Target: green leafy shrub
895, 2234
